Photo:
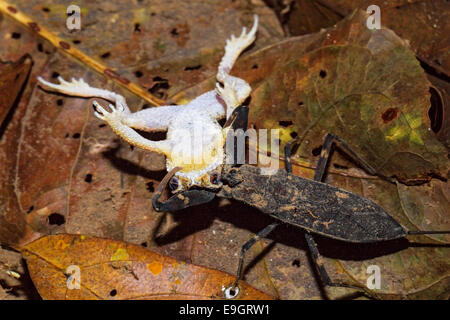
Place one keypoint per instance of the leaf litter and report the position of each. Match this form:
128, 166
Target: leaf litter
103, 188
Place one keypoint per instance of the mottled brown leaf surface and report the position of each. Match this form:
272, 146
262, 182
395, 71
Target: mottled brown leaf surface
424, 23
116, 270
20, 42
12, 78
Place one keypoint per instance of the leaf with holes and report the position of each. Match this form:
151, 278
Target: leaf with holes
365, 86
12, 78
424, 23
108, 269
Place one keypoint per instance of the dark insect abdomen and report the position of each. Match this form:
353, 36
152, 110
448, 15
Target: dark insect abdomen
315, 206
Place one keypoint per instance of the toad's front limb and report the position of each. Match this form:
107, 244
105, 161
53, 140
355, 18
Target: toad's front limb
117, 121
152, 119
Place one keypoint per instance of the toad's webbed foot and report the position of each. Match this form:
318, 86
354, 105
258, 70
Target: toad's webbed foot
228, 94
111, 117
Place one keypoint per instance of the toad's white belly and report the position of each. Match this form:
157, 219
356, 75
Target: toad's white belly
197, 148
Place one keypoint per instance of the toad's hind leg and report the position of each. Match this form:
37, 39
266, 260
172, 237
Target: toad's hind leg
234, 48
151, 119
234, 90
79, 88
119, 117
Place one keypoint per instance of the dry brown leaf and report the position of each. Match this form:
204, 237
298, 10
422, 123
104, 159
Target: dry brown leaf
20, 44
116, 270
12, 78
424, 23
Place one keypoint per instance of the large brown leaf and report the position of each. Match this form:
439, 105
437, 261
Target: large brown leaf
424, 23
116, 270
12, 78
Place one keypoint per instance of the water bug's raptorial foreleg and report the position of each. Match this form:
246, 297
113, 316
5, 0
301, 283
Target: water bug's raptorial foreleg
182, 199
